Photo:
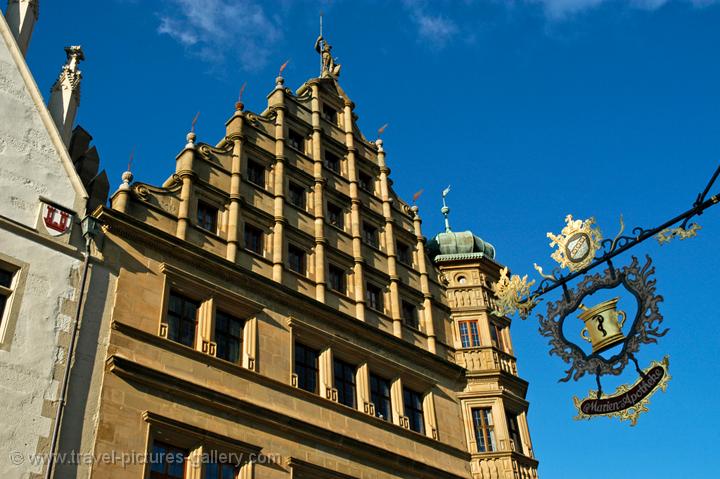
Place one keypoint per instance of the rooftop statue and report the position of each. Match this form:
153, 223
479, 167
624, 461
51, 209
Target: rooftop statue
329, 66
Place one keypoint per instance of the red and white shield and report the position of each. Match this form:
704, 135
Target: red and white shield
57, 221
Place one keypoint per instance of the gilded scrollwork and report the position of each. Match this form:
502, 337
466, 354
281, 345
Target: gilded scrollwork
668, 234
510, 291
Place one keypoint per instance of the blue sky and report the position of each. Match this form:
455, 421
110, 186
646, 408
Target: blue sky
530, 109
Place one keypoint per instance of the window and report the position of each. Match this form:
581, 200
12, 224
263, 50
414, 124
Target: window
514, 432
207, 217
370, 235
380, 396
374, 297
410, 315
296, 259
296, 195
220, 470
228, 336
469, 336
484, 429
253, 239
330, 114
335, 215
336, 279
182, 319
256, 173
296, 140
345, 382
404, 255
414, 410
6, 284
496, 336
332, 161
306, 367
365, 182
167, 462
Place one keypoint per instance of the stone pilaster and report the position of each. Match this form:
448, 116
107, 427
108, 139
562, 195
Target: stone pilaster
424, 281
319, 196
395, 310
355, 230
279, 187
234, 133
184, 169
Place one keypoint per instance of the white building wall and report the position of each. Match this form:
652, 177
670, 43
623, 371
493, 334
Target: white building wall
33, 164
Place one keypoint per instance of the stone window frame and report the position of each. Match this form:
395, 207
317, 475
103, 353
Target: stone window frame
497, 407
407, 260
212, 298
342, 288
500, 331
341, 161
207, 206
294, 184
292, 130
366, 362
263, 237
343, 214
367, 187
257, 161
200, 444
10, 314
417, 325
472, 342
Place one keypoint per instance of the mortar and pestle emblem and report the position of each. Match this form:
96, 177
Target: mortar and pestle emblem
603, 328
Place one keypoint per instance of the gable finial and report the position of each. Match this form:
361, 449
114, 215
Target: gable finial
446, 210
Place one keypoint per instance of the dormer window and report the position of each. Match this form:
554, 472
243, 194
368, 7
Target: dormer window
403, 253
296, 140
332, 161
335, 216
410, 315
330, 114
296, 259
374, 297
256, 173
365, 182
370, 235
296, 195
207, 217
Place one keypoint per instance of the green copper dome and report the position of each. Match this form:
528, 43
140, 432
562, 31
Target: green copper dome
449, 245
459, 245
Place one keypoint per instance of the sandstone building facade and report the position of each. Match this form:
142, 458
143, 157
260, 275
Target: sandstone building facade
275, 311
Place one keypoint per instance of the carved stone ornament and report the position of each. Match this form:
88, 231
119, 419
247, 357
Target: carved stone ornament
645, 327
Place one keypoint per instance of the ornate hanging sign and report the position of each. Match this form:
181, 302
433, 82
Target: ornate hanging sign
601, 339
